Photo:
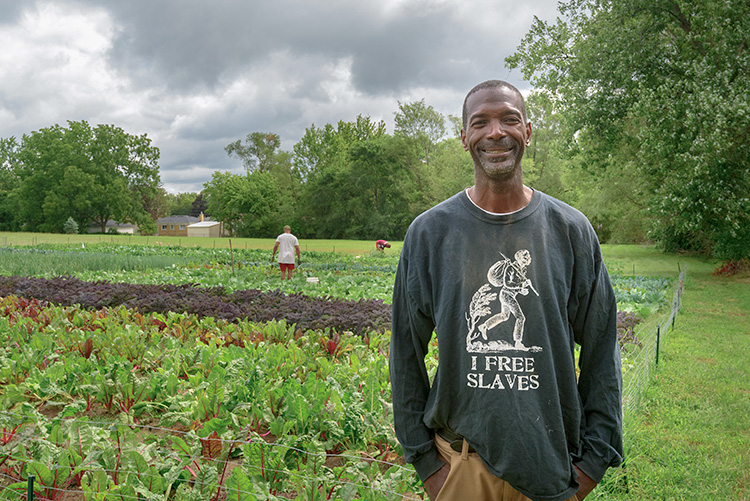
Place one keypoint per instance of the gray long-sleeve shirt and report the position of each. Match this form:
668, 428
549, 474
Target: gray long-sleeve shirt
508, 296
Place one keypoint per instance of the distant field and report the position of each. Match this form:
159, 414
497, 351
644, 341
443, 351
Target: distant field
649, 261
622, 259
345, 246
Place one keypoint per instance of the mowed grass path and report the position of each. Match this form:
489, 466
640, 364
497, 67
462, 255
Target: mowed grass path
690, 439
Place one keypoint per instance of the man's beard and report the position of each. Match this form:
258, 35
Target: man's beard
499, 168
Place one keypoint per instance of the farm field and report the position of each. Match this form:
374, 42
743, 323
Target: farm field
342, 246
164, 402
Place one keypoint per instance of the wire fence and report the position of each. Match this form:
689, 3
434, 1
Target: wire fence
642, 361
71, 460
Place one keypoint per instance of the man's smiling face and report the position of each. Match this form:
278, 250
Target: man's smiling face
496, 134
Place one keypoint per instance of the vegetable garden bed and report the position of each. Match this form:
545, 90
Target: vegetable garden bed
162, 389
116, 404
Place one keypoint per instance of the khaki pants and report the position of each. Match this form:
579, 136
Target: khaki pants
469, 478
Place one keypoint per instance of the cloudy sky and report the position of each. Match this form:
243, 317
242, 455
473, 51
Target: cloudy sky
195, 75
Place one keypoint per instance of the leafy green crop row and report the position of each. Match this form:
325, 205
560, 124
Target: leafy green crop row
368, 276
298, 415
249, 304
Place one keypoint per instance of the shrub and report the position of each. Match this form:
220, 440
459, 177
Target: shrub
70, 227
733, 267
626, 322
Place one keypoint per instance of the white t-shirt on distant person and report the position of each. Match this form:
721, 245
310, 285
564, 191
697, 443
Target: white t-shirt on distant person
287, 242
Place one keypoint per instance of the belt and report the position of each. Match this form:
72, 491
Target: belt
455, 440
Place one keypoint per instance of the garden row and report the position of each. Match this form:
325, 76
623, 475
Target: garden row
115, 402
369, 276
305, 312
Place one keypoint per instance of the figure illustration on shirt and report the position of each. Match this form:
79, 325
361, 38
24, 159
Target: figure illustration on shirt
510, 277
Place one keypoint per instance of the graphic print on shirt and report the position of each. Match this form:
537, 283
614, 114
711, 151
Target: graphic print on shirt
509, 278
489, 334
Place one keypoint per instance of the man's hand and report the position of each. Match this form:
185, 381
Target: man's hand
435, 482
585, 484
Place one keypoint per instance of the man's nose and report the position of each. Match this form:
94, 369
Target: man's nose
496, 130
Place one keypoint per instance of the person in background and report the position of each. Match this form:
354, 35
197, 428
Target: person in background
510, 280
381, 244
287, 244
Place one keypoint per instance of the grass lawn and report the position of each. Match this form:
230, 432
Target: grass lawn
690, 438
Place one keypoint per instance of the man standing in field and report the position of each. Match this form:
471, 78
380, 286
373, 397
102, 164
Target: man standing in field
506, 417
287, 244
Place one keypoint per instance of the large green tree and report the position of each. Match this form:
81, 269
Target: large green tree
219, 194
321, 147
180, 204
544, 167
261, 154
321, 158
259, 151
421, 123
87, 173
657, 91
450, 171
247, 205
156, 203
381, 203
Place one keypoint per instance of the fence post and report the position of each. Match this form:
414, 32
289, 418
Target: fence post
658, 342
30, 491
231, 253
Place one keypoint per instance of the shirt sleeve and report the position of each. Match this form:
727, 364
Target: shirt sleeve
600, 380
411, 331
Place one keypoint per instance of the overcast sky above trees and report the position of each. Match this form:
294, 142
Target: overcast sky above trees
195, 75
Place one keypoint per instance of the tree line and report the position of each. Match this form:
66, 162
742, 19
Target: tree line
79, 172
349, 180
640, 115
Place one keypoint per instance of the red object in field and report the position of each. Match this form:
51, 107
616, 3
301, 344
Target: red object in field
381, 244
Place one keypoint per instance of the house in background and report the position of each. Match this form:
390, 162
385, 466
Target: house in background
125, 228
174, 226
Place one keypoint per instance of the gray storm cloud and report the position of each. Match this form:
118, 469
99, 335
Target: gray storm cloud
196, 75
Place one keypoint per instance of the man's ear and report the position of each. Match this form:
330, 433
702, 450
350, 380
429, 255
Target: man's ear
463, 140
528, 133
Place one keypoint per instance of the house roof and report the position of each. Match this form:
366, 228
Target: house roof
203, 224
177, 220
